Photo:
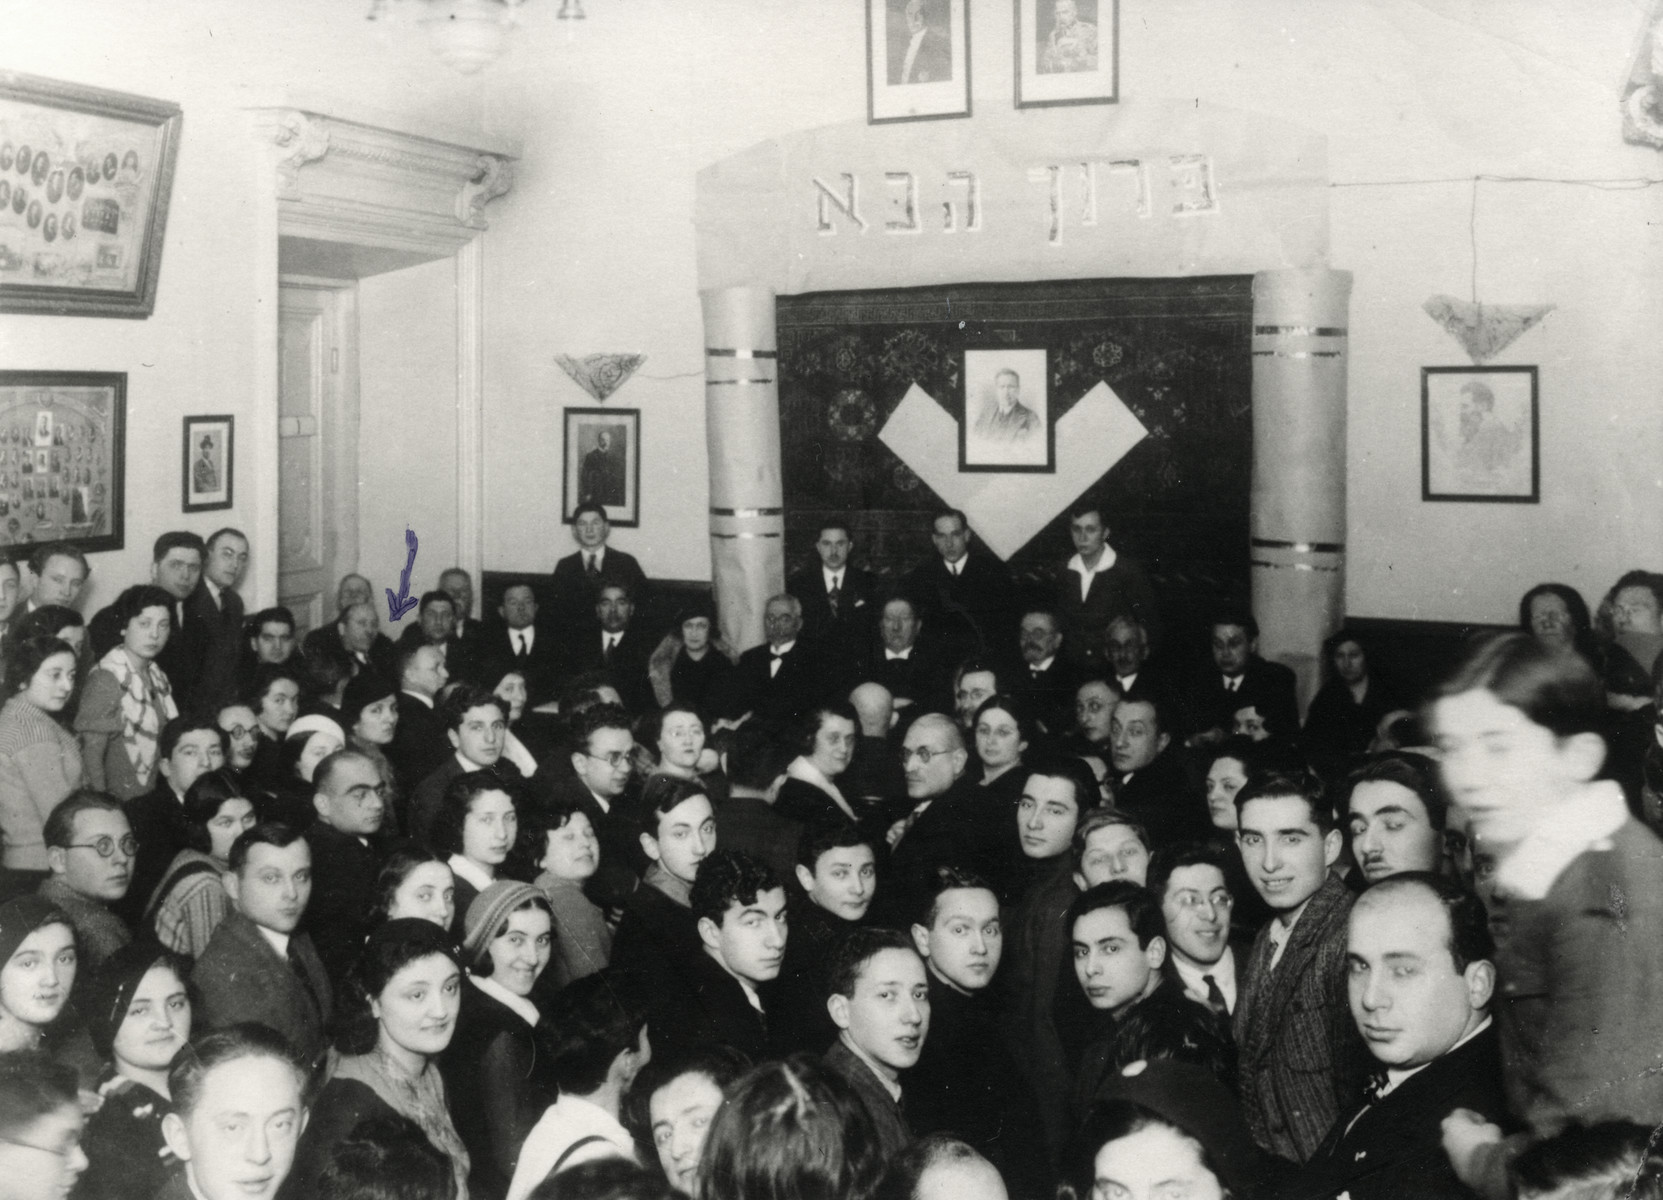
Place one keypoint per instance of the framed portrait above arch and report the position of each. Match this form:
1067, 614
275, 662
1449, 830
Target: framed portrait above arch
1067, 52
1005, 423
603, 463
917, 60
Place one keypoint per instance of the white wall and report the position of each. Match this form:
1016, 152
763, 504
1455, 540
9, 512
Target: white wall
197, 353
618, 113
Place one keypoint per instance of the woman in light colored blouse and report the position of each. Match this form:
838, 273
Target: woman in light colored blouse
190, 902
128, 698
571, 853
40, 761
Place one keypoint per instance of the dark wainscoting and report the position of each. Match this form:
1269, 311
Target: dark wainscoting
1417, 654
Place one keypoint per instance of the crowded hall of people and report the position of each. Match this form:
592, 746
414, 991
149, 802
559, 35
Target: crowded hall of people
879, 600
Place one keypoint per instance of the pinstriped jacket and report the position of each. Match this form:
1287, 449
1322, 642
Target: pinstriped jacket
1300, 1057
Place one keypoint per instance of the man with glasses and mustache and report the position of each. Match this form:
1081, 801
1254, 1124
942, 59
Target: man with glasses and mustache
953, 822
90, 851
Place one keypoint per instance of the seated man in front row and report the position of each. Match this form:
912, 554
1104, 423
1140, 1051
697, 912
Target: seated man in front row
1420, 978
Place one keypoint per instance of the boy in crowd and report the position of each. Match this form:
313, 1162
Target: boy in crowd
966, 1082
879, 999
837, 871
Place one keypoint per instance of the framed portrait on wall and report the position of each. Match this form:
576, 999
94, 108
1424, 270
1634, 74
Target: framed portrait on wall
603, 463
917, 60
1005, 423
1479, 434
208, 463
85, 176
62, 458
1067, 52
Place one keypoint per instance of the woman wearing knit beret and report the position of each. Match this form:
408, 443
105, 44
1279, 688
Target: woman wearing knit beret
497, 1077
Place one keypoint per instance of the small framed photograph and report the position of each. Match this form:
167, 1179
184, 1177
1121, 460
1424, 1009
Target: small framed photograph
1005, 424
603, 463
1479, 438
63, 438
85, 176
1067, 52
917, 60
208, 463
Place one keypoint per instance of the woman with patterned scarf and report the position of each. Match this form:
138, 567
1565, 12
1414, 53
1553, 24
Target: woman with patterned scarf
128, 698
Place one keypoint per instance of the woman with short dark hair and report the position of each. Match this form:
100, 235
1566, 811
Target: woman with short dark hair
128, 698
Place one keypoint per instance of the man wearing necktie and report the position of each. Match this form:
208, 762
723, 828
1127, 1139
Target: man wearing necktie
1243, 679
835, 594
966, 597
1420, 983
523, 642
1191, 884
1049, 681
574, 588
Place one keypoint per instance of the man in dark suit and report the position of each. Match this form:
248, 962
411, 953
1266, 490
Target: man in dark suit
259, 965
739, 905
475, 723
217, 609
1244, 680
176, 568
521, 642
747, 819
905, 663
355, 634
1420, 982
57, 572
613, 646
1152, 786
187, 749
575, 586
953, 821
966, 597
837, 598
1046, 679
418, 746
966, 1082
603, 746
1097, 585
347, 854
1300, 1056
777, 682
1126, 646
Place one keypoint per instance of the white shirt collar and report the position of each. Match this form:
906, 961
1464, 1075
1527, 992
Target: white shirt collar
1042, 666
834, 579
427, 700
1192, 976
1396, 1075
214, 590
782, 649
496, 991
528, 635
278, 941
1126, 682
598, 554
1585, 820
1103, 563
606, 805
903, 655
471, 871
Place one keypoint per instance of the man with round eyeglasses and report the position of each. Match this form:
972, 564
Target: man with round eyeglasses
90, 851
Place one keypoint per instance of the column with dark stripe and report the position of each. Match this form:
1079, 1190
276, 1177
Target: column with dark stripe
742, 429
1297, 519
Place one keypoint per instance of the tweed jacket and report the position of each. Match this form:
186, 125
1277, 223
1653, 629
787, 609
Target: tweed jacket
1300, 1056
241, 977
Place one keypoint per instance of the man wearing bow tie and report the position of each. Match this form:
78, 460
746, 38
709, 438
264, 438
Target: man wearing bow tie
1420, 977
778, 681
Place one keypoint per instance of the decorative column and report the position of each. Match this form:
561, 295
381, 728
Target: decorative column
1297, 522
742, 429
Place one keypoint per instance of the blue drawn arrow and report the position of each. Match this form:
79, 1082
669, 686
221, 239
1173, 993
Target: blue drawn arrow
402, 603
